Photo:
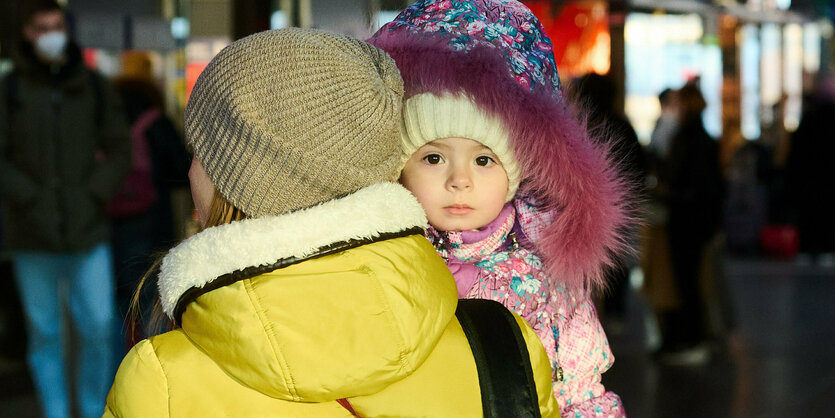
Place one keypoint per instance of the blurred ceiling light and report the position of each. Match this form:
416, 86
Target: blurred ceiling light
659, 29
811, 47
278, 20
792, 74
749, 54
657, 34
690, 28
783, 4
599, 56
180, 28
634, 31
771, 86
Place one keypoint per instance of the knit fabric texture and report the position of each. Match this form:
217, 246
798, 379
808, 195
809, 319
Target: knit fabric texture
506, 25
427, 117
287, 119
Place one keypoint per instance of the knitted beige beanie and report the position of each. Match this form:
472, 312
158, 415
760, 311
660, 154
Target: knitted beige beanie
287, 119
427, 117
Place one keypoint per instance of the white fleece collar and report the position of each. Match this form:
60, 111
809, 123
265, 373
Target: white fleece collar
377, 209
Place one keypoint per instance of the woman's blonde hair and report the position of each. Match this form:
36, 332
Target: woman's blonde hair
221, 212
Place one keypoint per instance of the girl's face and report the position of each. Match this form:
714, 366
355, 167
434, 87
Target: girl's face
459, 182
202, 190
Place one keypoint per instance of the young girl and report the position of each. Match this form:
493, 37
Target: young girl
525, 206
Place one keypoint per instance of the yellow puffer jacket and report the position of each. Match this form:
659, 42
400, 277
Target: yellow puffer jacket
281, 317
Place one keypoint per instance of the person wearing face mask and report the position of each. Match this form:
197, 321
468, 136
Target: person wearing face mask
64, 150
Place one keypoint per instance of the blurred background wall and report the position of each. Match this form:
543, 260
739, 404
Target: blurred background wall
747, 54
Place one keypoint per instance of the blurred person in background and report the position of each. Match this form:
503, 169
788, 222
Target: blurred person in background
659, 287
666, 126
750, 173
64, 150
694, 195
597, 93
141, 214
809, 176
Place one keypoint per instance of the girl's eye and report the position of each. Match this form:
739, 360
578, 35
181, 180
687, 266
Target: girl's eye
484, 161
433, 159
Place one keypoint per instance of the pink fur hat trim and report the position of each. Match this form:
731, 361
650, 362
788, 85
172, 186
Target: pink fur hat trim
563, 165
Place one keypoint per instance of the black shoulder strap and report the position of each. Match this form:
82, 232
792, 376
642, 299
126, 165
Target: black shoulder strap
501, 356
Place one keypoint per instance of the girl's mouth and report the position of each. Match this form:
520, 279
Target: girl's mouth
458, 209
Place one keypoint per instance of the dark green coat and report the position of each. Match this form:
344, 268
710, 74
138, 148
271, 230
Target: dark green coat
64, 150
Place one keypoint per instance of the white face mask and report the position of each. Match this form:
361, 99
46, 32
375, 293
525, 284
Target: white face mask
52, 45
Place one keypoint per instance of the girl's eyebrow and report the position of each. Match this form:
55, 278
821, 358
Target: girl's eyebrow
445, 146
484, 148
439, 145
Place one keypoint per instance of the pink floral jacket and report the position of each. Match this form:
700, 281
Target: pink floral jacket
497, 263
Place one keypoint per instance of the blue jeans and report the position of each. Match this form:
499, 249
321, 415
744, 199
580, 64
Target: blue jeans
88, 277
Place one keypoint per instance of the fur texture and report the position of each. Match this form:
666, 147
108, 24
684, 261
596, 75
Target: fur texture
568, 170
380, 208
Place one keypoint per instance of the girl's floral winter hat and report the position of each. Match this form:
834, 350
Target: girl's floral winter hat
507, 25
497, 56
512, 32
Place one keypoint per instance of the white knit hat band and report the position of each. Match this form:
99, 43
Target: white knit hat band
427, 117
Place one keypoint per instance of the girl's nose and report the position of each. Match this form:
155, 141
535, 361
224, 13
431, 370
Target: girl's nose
459, 180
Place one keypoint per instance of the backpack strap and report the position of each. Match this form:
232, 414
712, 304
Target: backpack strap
501, 356
145, 120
